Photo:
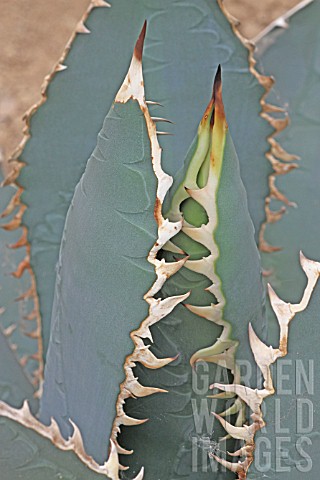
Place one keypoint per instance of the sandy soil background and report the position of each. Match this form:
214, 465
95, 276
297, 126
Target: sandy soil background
32, 37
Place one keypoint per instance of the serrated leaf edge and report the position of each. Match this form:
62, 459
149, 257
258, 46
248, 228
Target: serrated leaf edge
264, 357
281, 161
12, 171
133, 89
24, 417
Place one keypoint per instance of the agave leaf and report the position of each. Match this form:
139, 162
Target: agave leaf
64, 129
292, 56
224, 261
104, 270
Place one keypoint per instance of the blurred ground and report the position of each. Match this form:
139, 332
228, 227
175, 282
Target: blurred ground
33, 35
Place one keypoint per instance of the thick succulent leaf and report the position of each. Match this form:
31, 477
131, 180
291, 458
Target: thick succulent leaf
106, 279
178, 429
18, 317
102, 276
64, 129
292, 56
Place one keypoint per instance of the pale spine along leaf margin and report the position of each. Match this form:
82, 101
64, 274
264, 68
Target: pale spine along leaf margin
11, 170
264, 357
210, 150
223, 352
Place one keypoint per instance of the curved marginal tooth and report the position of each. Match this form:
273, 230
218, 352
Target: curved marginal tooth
280, 152
312, 271
60, 67
112, 464
22, 242
149, 360
161, 308
240, 433
35, 334
23, 265
76, 439
280, 308
140, 475
130, 422
13, 203
25, 409
233, 467
122, 467
278, 123
55, 430
100, 3
160, 119
121, 450
201, 235
139, 390
212, 312
309, 266
81, 28
164, 133
264, 356
278, 167
253, 398
12, 225
150, 102
216, 292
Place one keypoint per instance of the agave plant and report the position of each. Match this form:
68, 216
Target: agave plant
138, 346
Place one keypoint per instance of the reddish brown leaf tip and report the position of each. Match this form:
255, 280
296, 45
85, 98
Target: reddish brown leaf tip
218, 112
217, 79
139, 45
